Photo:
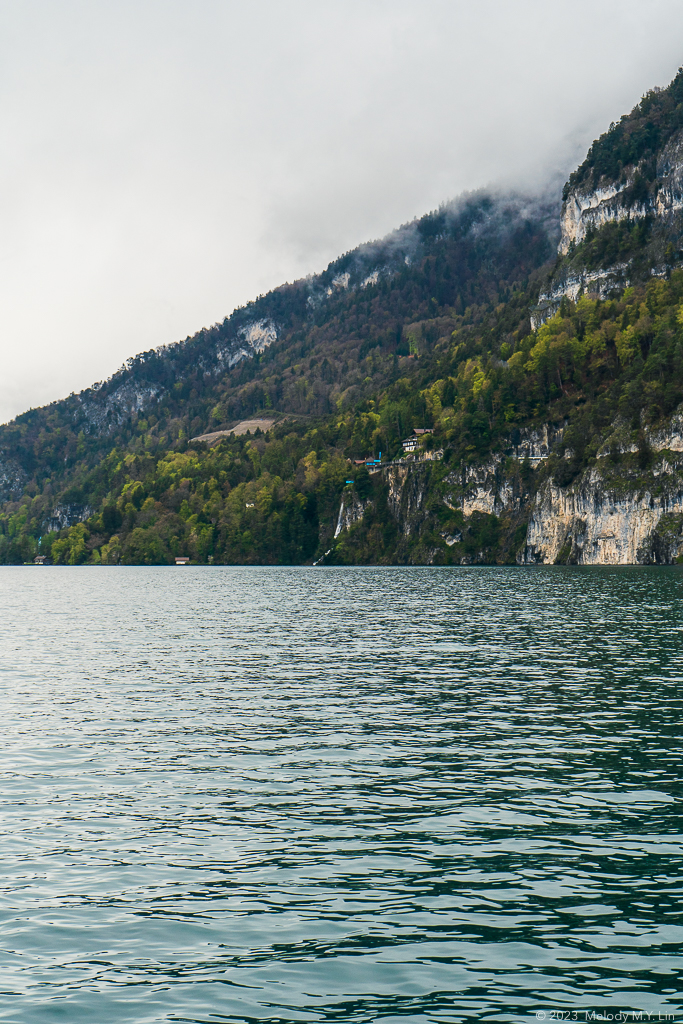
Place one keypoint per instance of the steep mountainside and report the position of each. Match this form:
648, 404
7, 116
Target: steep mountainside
622, 211
305, 349
547, 384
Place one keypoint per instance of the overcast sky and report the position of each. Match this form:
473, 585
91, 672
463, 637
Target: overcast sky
165, 160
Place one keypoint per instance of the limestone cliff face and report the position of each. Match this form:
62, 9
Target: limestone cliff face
13, 479
653, 190
591, 208
667, 438
67, 515
534, 443
106, 414
599, 282
351, 511
102, 410
408, 487
609, 517
487, 487
591, 524
669, 196
583, 210
482, 488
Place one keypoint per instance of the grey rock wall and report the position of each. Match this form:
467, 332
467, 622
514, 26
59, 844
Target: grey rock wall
68, 515
590, 524
13, 479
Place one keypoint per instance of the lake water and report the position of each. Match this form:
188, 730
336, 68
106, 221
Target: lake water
340, 795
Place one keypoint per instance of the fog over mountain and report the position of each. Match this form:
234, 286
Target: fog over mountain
166, 162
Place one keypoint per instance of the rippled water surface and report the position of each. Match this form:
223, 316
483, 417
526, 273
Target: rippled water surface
334, 795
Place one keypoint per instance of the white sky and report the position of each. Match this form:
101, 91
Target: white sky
165, 160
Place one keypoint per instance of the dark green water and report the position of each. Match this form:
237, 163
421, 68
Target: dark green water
397, 795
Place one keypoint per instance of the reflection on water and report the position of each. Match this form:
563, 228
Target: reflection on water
361, 795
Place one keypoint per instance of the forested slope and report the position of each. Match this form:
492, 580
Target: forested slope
346, 357
428, 328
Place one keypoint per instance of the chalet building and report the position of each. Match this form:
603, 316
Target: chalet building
182, 560
40, 560
412, 443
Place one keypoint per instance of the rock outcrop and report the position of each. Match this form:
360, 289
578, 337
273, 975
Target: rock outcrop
351, 511
585, 209
13, 479
591, 524
482, 488
68, 515
408, 488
